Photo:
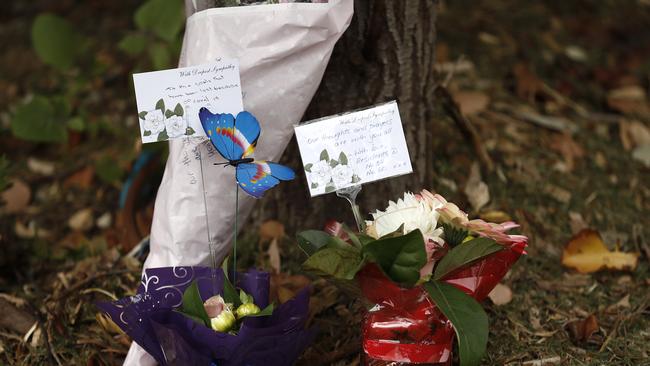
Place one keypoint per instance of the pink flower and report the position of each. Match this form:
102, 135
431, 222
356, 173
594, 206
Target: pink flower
497, 232
452, 215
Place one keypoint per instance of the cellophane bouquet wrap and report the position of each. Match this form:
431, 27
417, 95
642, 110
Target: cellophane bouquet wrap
283, 50
423, 266
156, 320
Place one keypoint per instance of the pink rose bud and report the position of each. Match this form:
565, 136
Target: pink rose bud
214, 306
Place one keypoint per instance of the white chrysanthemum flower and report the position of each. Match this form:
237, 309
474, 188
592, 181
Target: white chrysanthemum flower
412, 211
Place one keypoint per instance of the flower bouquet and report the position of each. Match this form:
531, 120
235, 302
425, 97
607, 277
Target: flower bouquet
423, 266
196, 316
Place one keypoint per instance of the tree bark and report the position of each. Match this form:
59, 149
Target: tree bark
387, 53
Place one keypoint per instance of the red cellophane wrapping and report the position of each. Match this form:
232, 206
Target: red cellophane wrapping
405, 327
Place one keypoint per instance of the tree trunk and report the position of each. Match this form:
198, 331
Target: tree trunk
387, 53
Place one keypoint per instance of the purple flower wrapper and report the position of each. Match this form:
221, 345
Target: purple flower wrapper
150, 319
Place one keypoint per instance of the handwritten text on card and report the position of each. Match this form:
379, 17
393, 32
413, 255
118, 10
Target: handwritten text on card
169, 100
354, 148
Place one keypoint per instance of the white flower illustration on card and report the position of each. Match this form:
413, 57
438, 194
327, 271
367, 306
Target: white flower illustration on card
320, 173
327, 174
153, 122
165, 123
342, 175
176, 126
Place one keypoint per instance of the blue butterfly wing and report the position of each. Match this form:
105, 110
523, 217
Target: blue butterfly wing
247, 132
280, 171
220, 128
259, 176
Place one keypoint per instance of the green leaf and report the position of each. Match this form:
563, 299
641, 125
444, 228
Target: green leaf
55, 41
230, 294
133, 44
264, 312
308, 167
365, 239
324, 155
464, 254
333, 163
193, 304
343, 159
107, 169
468, 318
330, 187
163, 136
160, 104
160, 55
143, 114
38, 121
165, 18
314, 185
76, 124
189, 131
245, 298
178, 110
146, 133
355, 179
338, 262
399, 257
168, 113
311, 241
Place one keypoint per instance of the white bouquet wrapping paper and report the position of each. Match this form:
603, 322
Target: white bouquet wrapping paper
283, 50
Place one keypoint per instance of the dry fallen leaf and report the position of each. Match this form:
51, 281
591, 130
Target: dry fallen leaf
560, 194
642, 155
630, 99
16, 197
81, 220
40, 166
501, 294
568, 148
633, 134
577, 222
623, 303
471, 102
31, 230
528, 84
82, 178
587, 253
285, 287
476, 190
271, 229
582, 330
495, 216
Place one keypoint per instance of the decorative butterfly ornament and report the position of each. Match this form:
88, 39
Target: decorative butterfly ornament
235, 139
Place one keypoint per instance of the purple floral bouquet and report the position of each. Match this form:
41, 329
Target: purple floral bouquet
195, 316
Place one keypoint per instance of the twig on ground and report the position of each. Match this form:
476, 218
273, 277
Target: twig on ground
65, 293
621, 319
50, 347
465, 126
